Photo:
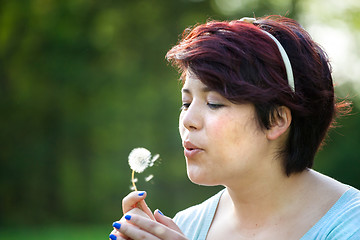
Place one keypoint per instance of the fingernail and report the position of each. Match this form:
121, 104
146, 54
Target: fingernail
112, 237
141, 194
160, 212
128, 217
116, 225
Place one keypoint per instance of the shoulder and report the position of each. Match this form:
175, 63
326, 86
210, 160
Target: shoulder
348, 207
346, 216
342, 221
196, 220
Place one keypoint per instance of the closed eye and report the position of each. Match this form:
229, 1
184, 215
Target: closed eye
185, 106
215, 106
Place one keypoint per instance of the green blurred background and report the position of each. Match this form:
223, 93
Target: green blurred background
83, 82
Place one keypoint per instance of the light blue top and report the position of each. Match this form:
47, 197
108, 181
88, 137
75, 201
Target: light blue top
341, 222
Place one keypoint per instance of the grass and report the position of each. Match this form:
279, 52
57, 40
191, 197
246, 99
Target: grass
65, 232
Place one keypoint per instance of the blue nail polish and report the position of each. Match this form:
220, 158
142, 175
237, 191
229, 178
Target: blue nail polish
160, 212
141, 194
128, 217
112, 237
116, 225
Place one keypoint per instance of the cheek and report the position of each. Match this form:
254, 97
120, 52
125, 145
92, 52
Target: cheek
221, 128
181, 126
222, 123
231, 133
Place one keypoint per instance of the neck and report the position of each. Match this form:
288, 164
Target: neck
263, 199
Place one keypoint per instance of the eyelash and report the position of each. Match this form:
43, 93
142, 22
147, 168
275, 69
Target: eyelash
212, 106
184, 106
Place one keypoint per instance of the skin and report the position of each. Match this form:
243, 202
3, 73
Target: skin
226, 133
162, 227
260, 201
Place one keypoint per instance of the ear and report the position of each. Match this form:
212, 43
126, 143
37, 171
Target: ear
280, 124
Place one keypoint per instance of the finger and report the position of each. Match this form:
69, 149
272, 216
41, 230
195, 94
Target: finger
136, 199
155, 228
117, 224
132, 199
134, 232
115, 235
143, 206
135, 211
161, 218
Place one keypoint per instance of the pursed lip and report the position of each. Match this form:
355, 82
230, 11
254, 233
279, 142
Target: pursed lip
190, 149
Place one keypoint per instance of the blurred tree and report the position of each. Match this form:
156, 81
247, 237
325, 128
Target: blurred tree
82, 83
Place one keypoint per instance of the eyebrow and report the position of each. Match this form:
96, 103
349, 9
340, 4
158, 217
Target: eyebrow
204, 89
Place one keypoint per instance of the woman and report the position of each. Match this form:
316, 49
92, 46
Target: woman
258, 100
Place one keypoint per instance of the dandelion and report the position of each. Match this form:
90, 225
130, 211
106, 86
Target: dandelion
155, 157
139, 160
148, 178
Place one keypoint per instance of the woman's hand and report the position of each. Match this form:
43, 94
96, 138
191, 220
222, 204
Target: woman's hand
134, 204
136, 200
138, 227
138, 221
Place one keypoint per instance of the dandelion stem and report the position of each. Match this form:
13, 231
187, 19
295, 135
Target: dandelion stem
133, 180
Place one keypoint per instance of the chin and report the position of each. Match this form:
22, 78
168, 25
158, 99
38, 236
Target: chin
201, 179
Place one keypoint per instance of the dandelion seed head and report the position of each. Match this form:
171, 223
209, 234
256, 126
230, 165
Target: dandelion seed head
139, 159
148, 178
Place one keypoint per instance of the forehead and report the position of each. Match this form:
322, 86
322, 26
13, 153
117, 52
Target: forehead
193, 83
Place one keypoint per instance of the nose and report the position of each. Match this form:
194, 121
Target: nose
191, 118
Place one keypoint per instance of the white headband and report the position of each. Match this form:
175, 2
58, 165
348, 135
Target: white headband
288, 68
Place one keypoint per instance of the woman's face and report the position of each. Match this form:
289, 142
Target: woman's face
222, 141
